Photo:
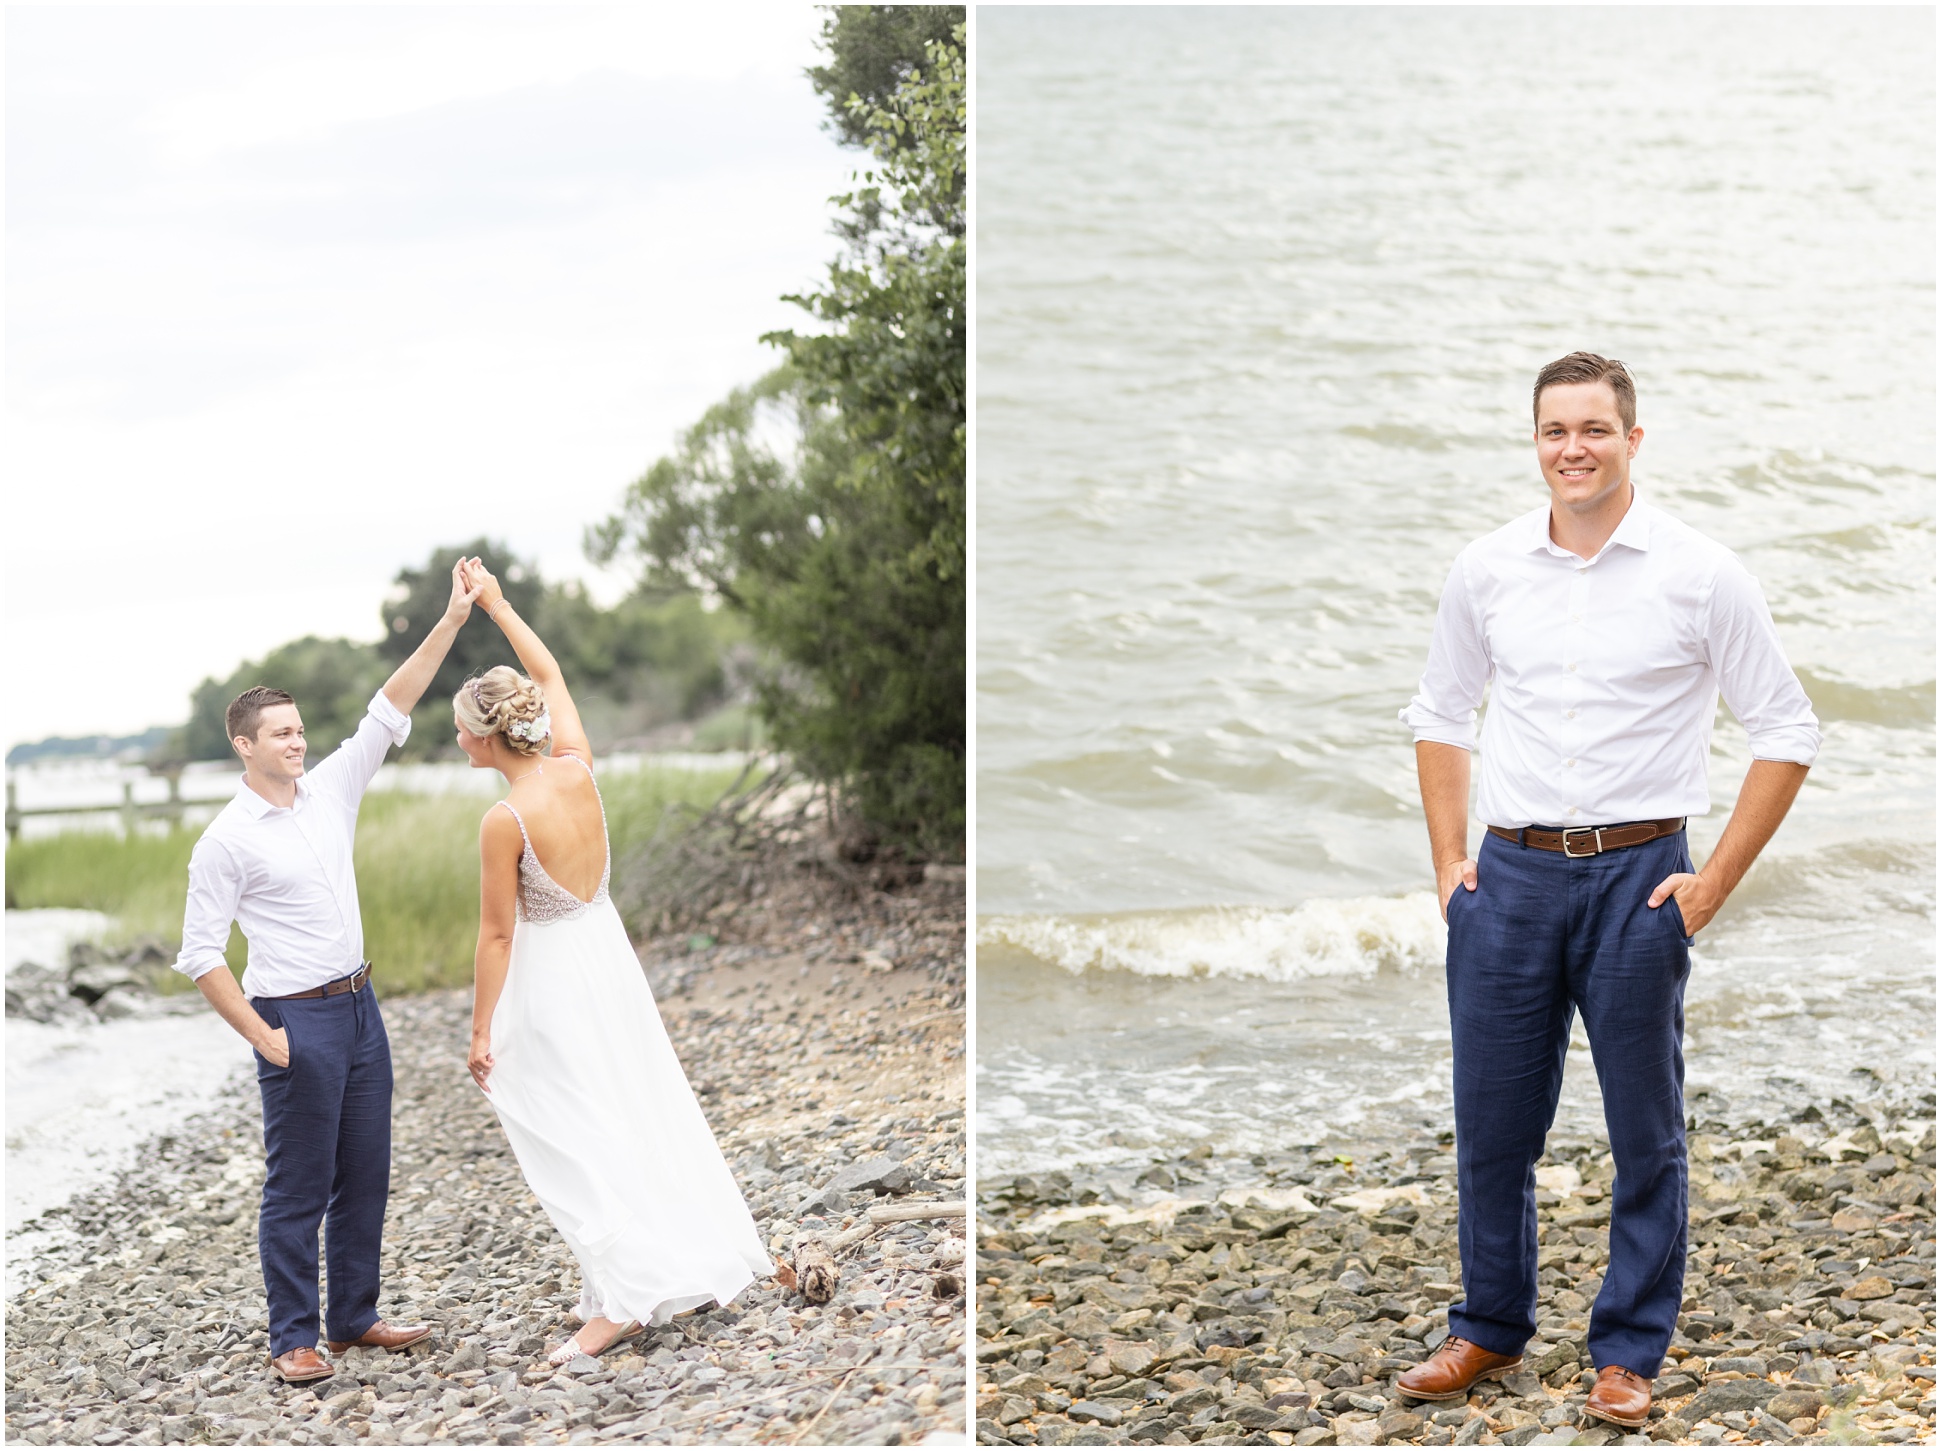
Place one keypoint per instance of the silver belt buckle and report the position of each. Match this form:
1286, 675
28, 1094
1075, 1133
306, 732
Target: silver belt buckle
1596, 834
355, 985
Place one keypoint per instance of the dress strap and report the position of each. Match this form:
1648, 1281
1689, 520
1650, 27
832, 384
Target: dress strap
596, 786
518, 818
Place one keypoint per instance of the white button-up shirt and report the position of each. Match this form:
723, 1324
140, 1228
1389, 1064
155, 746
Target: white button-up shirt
284, 874
1604, 674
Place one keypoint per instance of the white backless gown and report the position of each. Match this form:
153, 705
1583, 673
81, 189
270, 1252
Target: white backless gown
601, 1117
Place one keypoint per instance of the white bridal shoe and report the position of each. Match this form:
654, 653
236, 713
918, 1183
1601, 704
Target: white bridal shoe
572, 1349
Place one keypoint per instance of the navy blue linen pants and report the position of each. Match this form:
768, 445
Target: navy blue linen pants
1543, 937
327, 1152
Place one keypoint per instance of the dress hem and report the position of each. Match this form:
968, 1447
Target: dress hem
664, 1310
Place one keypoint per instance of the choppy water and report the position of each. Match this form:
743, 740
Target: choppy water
1260, 295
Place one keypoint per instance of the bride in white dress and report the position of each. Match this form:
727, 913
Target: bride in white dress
566, 1040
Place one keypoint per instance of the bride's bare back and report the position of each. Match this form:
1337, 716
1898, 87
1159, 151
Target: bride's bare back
561, 809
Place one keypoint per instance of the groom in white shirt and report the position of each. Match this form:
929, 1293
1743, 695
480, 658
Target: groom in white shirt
277, 861
1604, 631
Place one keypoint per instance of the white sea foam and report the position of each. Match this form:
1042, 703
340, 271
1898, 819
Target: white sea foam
1323, 937
82, 1098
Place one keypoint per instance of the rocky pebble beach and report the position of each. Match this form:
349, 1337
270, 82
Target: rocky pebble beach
834, 1079
1275, 1300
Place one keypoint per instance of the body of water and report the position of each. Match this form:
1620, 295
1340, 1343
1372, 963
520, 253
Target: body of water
1260, 296
83, 1097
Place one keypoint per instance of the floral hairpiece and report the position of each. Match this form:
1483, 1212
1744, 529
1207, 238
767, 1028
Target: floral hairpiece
477, 699
532, 731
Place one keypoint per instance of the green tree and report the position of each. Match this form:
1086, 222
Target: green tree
658, 649
657, 656
873, 50
890, 358
827, 501
332, 680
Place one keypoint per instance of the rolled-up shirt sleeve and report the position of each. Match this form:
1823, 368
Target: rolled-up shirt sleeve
1758, 684
348, 769
1446, 701
215, 888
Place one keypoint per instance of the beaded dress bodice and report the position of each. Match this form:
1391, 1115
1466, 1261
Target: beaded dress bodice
541, 899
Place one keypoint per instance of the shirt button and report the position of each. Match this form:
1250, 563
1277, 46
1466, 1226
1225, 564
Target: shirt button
1570, 811
1576, 619
1571, 762
1572, 667
1570, 715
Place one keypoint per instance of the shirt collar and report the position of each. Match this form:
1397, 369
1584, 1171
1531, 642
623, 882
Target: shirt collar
257, 807
1633, 530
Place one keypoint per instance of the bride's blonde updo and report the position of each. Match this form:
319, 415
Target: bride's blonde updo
502, 701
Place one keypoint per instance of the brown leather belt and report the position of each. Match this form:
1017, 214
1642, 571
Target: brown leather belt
343, 985
1578, 841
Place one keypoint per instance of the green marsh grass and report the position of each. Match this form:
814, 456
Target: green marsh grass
417, 873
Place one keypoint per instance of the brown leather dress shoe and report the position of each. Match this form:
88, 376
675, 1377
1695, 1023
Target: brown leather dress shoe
1622, 1397
303, 1363
1452, 1370
382, 1336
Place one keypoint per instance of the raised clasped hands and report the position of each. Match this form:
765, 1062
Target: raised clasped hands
1698, 900
484, 587
464, 592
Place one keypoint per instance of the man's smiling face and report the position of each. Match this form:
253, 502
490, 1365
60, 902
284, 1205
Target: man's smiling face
278, 750
1583, 447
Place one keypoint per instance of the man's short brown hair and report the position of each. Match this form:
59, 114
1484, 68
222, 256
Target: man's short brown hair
1589, 368
245, 714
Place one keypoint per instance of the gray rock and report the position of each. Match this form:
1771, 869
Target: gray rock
121, 1002
1100, 1411
1764, 1426
879, 1174
827, 1200
41, 996
94, 980
1723, 1397
1796, 1401
1750, 1365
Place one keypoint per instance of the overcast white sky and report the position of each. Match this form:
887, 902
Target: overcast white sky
294, 295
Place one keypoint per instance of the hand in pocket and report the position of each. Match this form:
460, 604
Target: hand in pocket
1454, 877
1698, 904
276, 1047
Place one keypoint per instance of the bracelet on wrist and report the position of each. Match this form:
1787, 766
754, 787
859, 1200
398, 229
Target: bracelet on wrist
492, 610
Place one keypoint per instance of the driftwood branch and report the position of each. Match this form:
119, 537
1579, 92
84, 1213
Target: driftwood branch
812, 1268
882, 1214
916, 1209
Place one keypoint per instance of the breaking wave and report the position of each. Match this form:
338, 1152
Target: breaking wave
1323, 937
